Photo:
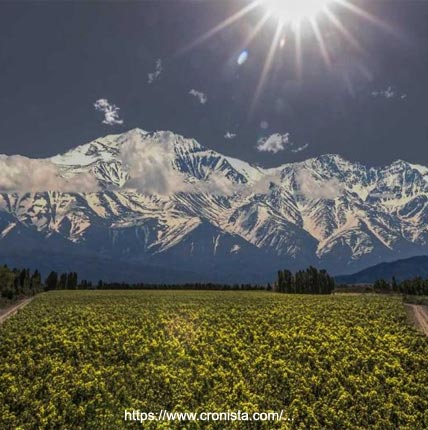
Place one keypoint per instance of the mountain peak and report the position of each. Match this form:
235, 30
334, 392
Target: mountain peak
331, 157
146, 193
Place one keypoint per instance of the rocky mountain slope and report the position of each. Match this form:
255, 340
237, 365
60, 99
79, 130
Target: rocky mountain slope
157, 206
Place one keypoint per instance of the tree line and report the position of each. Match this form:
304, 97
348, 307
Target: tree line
412, 287
16, 282
22, 282
188, 286
309, 281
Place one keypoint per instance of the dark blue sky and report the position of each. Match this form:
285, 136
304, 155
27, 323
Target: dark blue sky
58, 58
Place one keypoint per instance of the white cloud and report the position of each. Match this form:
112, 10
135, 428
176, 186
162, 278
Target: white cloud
389, 93
150, 165
219, 184
274, 143
199, 95
22, 174
230, 135
153, 76
263, 185
311, 188
110, 111
300, 148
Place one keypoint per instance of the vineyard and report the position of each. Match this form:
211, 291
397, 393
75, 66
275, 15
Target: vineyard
78, 359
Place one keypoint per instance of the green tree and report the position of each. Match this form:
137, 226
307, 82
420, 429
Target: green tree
51, 281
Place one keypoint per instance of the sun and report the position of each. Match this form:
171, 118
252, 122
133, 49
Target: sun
295, 11
289, 17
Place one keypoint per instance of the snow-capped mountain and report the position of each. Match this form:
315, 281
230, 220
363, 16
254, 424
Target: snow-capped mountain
159, 207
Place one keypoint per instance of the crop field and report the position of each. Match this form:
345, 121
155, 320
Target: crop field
77, 360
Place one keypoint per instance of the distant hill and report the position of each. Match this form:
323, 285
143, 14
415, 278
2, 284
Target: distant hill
401, 269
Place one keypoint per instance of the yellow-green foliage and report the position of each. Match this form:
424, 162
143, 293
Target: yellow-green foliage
76, 360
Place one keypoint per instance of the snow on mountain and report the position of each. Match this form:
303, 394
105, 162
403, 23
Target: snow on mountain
162, 200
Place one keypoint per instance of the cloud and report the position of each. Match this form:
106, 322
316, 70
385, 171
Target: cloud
153, 76
110, 111
388, 93
230, 135
274, 143
263, 185
300, 148
149, 163
311, 188
22, 174
219, 184
199, 95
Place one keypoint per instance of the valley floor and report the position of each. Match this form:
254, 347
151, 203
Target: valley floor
79, 359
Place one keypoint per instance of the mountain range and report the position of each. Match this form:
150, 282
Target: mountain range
157, 207
401, 270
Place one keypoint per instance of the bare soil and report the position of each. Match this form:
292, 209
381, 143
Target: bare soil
12, 310
419, 315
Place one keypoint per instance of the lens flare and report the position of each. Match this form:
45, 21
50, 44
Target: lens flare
243, 57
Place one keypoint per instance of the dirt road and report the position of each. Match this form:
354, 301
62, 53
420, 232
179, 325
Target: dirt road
420, 316
14, 309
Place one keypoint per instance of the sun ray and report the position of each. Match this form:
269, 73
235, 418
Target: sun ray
267, 66
292, 16
367, 16
219, 27
345, 32
366, 72
257, 29
324, 52
298, 49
